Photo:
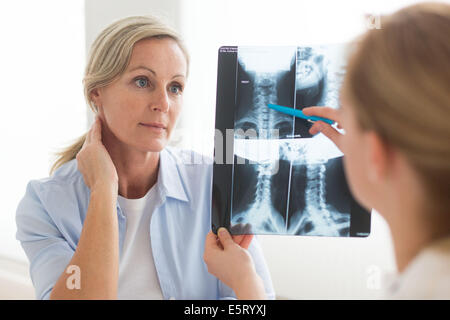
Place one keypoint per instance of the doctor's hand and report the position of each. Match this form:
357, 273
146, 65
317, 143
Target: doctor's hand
233, 265
95, 163
325, 128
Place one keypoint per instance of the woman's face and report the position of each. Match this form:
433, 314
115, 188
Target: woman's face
357, 160
141, 107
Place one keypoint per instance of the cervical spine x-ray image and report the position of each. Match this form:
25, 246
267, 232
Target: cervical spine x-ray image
283, 179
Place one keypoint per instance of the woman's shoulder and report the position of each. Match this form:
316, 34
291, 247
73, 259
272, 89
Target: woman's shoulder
188, 157
52, 207
66, 173
65, 185
189, 162
189, 169
63, 177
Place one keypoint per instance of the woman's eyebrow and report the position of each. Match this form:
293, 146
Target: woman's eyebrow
142, 67
152, 71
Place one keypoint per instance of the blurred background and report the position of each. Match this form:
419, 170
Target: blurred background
42, 57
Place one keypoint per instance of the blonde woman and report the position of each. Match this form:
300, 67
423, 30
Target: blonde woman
123, 216
395, 111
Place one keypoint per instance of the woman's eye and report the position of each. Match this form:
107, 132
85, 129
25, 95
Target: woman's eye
176, 89
141, 82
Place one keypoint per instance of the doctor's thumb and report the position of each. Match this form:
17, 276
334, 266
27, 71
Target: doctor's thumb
225, 237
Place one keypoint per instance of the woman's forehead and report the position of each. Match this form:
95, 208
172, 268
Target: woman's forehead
159, 55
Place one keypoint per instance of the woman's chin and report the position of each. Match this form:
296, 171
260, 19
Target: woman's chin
148, 145
156, 145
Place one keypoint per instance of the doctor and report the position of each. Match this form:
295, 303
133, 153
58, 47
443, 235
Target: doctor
395, 112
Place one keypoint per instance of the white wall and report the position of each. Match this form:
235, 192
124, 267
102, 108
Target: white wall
42, 104
15, 282
331, 268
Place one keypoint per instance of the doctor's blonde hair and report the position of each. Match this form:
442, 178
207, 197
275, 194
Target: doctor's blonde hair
108, 59
398, 80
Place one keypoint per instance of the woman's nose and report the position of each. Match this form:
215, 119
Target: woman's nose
161, 102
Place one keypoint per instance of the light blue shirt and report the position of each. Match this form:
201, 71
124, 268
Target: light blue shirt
50, 219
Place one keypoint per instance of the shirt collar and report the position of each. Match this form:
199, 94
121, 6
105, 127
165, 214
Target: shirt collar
170, 179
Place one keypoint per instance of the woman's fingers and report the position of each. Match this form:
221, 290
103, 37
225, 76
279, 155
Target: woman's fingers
87, 137
211, 248
95, 133
211, 241
330, 132
325, 128
225, 238
243, 240
247, 239
97, 130
324, 112
243, 234
238, 238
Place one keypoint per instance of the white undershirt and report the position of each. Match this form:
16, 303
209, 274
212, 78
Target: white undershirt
137, 273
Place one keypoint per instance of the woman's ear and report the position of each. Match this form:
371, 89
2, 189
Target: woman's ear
96, 99
379, 155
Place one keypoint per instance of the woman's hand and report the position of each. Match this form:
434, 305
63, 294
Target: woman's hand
325, 128
244, 236
233, 265
95, 163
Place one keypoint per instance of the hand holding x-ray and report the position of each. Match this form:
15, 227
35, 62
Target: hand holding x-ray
233, 265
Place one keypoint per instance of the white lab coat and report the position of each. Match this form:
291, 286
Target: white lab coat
427, 276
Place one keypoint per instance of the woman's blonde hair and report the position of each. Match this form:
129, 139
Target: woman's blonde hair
109, 57
398, 80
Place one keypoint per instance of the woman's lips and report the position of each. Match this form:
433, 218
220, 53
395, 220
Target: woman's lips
154, 126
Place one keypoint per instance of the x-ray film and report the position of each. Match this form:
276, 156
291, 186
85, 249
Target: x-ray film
271, 176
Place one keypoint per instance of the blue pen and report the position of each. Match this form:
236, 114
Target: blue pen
298, 113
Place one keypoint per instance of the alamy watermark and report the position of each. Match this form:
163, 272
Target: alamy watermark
374, 277
373, 21
224, 149
74, 280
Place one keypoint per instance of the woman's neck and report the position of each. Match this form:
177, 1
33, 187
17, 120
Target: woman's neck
410, 237
412, 222
137, 170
